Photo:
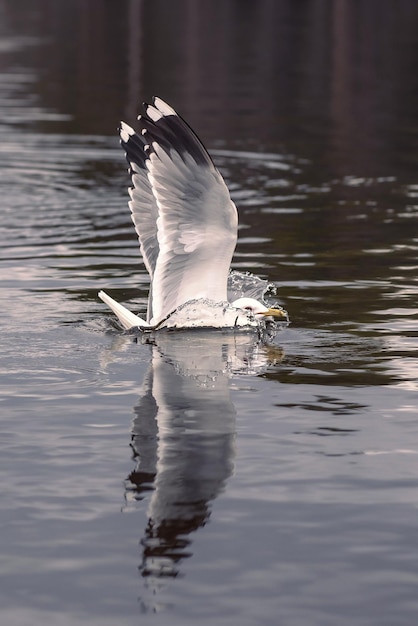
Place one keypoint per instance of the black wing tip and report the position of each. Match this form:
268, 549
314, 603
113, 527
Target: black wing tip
160, 123
134, 146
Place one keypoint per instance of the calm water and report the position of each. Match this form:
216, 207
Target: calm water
203, 478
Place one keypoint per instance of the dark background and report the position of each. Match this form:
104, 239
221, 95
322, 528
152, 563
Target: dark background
334, 81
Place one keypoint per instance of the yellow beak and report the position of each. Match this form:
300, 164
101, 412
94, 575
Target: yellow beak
279, 313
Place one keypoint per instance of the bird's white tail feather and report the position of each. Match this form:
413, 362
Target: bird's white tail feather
126, 317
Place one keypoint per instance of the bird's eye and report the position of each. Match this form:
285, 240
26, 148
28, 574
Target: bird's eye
248, 308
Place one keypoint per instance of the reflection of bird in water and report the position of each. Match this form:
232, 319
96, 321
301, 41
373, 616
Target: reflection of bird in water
183, 437
187, 228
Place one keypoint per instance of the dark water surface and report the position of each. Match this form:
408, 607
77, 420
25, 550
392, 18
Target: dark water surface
204, 478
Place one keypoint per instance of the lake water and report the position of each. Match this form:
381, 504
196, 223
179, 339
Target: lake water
203, 477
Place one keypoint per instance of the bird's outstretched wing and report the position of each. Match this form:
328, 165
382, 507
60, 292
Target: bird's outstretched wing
183, 214
143, 205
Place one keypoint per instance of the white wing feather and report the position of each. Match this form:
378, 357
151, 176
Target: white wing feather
197, 226
183, 214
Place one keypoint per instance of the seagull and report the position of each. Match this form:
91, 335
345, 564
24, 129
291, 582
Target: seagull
187, 228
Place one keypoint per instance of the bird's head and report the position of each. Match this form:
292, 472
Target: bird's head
259, 310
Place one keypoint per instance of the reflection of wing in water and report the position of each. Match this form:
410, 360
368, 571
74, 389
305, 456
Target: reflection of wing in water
183, 438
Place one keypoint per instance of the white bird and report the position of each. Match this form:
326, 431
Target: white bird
186, 224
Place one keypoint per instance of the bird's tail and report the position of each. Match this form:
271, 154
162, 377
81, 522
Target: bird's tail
126, 317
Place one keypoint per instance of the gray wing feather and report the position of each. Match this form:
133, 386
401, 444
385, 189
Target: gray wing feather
182, 211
